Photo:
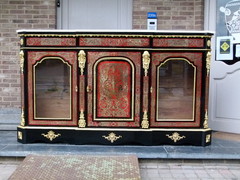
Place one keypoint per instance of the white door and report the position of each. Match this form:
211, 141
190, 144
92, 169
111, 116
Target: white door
224, 101
94, 14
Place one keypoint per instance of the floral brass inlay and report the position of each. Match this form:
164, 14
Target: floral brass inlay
21, 54
146, 61
205, 123
22, 118
112, 137
208, 138
81, 60
208, 62
51, 135
145, 122
81, 121
175, 136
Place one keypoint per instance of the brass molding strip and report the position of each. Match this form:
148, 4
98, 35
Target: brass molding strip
113, 129
110, 48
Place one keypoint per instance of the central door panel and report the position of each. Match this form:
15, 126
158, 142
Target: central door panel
114, 89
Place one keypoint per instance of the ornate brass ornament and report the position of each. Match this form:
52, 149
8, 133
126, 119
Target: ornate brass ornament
21, 41
81, 121
208, 62
51, 135
112, 137
209, 43
20, 135
175, 137
145, 122
21, 54
146, 61
22, 118
151, 89
205, 123
81, 60
208, 138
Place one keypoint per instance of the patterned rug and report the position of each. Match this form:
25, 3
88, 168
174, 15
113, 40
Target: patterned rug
73, 167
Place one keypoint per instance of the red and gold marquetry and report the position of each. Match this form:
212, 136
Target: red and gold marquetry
35, 41
178, 42
117, 42
114, 80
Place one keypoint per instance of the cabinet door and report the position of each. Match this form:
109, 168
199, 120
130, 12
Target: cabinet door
52, 88
114, 89
176, 89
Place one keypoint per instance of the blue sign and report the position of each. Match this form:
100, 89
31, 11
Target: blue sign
152, 15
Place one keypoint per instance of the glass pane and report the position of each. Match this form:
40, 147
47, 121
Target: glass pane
52, 89
176, 94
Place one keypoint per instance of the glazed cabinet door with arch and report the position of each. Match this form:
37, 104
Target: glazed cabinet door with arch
176, 89
52, 88
113, 89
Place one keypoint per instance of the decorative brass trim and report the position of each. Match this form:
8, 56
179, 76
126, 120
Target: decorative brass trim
21, 54
81, 60
112, 137
208, 62
21, 41
205, 123
145, 122
175, 137
194, 90
208, 138
81, 121
51, 135
151, 89
95, 89
146, 61
209, 43
34, 87
20, 136
22, 118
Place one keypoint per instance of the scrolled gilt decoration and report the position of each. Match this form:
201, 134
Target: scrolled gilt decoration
22, 118
81, 60
81, 121
51, 135
208, 62
146, 61
205, 123
21, 54
175, 137
112, 137
145, 122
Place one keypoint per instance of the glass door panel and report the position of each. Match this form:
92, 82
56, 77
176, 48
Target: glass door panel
176, 90
52, 91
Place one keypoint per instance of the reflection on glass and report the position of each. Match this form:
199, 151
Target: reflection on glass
176, 92
52, 89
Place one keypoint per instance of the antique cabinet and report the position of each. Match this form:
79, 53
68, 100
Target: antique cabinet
115, 87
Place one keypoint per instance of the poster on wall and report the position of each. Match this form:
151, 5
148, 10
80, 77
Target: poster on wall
227, 27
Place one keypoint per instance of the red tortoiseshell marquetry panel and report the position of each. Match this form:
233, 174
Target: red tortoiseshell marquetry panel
116, 42
35, 41
178, 42
115, 87
67, 58
196, 59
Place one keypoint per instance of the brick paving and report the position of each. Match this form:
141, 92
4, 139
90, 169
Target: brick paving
167, 170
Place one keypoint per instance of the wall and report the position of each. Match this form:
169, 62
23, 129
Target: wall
14, 15
172, 14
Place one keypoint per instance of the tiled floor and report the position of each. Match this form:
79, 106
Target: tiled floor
221, 160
